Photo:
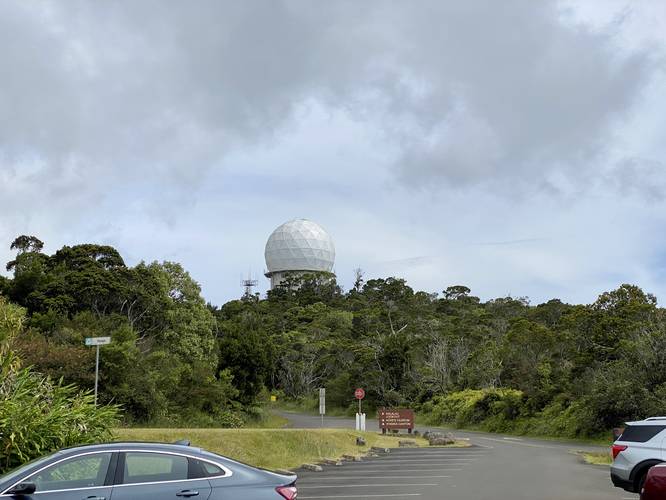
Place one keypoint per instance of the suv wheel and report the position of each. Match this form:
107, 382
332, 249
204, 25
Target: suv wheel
641, 480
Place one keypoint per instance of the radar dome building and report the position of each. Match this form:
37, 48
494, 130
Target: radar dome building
299, 246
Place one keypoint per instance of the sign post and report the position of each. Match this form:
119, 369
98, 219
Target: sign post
391, 420
360, 416
97, 341
322, 404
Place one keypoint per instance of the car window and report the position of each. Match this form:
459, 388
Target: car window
80, 472
641, 433
154, 467
212, 469
22, 469
201, 468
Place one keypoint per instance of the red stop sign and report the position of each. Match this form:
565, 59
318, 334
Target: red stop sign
359, 393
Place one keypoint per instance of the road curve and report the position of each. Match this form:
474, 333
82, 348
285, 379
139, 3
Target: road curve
513, 468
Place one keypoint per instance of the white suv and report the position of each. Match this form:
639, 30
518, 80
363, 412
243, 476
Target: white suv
641, 445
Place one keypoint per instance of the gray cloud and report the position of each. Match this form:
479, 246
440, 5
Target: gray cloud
189, 130
472, 90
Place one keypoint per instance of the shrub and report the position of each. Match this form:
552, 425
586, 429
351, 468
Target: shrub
38, 415
492, 409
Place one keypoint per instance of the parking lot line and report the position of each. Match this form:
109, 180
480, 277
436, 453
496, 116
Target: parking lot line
366, 496
335, 478
407, 469
316, 487
422, 460
372, 476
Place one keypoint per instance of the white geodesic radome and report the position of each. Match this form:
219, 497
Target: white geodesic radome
299, 245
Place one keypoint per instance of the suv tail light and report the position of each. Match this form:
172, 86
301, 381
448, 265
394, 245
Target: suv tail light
288, 492
617, 448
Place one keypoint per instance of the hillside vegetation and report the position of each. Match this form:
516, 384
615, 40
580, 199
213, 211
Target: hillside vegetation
503, 364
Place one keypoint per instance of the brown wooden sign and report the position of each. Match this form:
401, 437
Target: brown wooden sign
395, 419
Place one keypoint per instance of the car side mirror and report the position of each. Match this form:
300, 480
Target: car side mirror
23, 489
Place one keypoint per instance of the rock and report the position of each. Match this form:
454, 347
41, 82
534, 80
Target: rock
380, 450
332, 461
440, 441
407, 443
439, 438
312, 467
351, 458
284, 471
360, 441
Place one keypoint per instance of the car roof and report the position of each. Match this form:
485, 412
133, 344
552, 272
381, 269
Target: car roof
132, 445
649, 421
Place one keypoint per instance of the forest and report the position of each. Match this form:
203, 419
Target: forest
175, 360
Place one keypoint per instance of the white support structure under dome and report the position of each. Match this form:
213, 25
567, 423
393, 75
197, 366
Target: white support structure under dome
298, 246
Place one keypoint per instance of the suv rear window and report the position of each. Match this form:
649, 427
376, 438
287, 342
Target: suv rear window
641, 433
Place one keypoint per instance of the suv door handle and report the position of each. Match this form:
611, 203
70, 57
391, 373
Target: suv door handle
187, 493
95, 498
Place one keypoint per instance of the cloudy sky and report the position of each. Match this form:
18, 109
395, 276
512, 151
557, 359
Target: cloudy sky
517, 147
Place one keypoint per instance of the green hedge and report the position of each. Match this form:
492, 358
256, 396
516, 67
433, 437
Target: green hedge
493, 409
507, 410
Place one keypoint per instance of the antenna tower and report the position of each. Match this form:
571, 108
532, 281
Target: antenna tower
248, 284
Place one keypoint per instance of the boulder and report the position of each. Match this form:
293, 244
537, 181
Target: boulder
440, 441
376, 449
360, 441
312, 467
284, 471
407, 443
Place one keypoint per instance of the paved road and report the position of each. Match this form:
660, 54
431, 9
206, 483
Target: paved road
497, 467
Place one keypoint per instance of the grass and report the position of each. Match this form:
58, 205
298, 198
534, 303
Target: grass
268, 420
596, 458
270, 448
310, 407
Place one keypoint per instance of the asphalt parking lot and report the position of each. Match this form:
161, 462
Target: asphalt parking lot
496, 467
402, 473
476, 473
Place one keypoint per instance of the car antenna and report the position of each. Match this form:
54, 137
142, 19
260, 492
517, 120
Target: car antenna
183, 442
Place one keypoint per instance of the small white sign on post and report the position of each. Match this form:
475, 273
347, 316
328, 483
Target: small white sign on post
97, 341
322, 404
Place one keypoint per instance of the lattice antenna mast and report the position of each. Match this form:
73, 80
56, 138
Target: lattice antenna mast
249, 284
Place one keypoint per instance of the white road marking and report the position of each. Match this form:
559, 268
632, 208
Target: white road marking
422, 460
521, 443
361, 472
365, 485
335, 478
368, 496
414, 467
438, 454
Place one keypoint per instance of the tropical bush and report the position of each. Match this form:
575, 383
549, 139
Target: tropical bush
491, 409
39, 415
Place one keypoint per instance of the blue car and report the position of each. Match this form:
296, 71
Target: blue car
138, 471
